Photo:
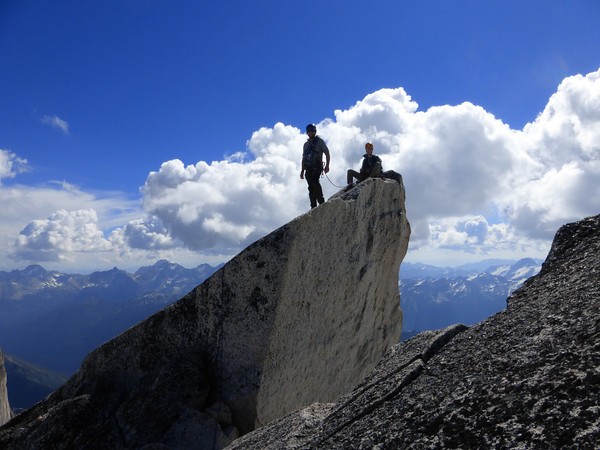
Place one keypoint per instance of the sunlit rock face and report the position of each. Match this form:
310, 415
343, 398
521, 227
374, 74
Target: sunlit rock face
5, 412
338, 308
527, 377
298, 317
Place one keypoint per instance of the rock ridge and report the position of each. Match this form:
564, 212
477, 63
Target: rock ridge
298, 317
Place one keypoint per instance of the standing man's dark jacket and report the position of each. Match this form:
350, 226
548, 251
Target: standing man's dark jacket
312, 164
312, 153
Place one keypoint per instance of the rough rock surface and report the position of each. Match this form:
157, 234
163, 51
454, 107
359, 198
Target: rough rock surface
298, 317
5, 412
528, 377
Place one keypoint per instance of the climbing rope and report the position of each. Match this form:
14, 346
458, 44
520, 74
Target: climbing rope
327, 176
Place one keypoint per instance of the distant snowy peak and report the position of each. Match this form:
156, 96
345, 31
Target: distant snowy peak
500, 271
433, 297
508, 269
419, 270
517, 273
35, 271
164, 278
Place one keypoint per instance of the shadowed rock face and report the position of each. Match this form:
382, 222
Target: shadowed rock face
5, 412
528, 377
298, 317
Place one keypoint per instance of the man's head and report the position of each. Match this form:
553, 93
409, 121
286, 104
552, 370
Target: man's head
311, 130
369, 148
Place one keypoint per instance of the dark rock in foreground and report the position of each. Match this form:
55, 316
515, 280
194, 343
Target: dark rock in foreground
528, 377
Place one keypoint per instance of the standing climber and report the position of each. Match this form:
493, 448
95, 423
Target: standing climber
312, 164
371, 167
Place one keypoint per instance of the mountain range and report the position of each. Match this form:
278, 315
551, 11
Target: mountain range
435, 297
50, 320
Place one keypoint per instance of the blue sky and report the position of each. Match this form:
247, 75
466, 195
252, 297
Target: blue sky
97, 96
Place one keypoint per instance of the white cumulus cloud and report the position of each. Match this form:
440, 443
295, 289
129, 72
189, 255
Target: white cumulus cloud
61, 233
147, 234
473, 183
11, 164
230, 203
564, 143
33, 208
475, 186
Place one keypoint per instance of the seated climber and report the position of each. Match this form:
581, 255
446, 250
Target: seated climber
371, 167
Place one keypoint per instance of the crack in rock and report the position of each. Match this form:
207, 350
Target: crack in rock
381, 387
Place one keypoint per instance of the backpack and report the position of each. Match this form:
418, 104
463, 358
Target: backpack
311, 156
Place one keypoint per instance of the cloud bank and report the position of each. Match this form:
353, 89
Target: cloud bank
475, 187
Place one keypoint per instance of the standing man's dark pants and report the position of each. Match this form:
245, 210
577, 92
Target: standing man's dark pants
315, 192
